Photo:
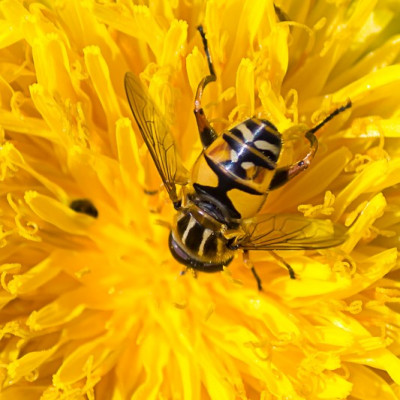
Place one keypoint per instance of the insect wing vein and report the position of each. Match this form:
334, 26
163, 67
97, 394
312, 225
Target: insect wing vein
156, 134
290, 232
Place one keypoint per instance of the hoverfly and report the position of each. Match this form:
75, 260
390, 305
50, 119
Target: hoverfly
219, 199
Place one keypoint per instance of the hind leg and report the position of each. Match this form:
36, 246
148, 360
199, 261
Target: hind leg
285, 174
207, 133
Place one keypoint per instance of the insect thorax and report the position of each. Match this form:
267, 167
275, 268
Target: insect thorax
237, 168
196, 240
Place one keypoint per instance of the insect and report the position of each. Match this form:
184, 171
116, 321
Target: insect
219, 199
84, 206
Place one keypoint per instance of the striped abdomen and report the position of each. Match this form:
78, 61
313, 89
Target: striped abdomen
254, 145
196, 242
237, 168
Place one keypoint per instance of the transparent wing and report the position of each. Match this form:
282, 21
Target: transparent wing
289, 232
156, 134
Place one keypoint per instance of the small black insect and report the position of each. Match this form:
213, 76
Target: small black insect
84, 206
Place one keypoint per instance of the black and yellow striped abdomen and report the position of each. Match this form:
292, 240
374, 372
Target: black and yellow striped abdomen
196, 241
236, 170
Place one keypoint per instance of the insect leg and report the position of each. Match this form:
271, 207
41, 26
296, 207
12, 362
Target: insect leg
207, 133
329, 117
285, 174
249, 264
206, 50
282, 261
186, 269
163, 223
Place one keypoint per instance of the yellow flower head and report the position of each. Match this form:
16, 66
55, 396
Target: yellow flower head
96, 307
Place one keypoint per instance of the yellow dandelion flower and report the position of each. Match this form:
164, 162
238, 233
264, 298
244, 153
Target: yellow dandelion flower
92, 302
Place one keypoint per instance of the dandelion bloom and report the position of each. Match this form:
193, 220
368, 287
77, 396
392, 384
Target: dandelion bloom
95, 307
